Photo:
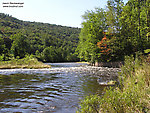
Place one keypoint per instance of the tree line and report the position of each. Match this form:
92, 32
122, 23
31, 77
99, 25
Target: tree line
47, 42
118, 30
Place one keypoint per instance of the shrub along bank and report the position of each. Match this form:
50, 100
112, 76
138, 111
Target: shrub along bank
132, 95
28, 62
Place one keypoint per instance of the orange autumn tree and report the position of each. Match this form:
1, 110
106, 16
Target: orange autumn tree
104, 49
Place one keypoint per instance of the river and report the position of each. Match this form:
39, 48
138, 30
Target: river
56, 90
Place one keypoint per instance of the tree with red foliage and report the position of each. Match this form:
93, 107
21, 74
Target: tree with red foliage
104, 49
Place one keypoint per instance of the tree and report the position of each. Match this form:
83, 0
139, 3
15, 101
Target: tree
133, 34
47, 40
104, 50
91, 33
113, 12
20, 46
49, 54
2, 46
134, 24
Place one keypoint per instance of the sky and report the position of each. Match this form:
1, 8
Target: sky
59, 12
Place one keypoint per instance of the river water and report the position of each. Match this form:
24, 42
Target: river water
55, 90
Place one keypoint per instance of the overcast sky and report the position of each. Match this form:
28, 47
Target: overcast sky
60, 12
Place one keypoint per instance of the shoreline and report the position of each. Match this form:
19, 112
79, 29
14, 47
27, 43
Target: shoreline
25, 63
25, 67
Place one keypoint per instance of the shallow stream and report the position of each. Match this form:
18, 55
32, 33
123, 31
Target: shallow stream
55, 90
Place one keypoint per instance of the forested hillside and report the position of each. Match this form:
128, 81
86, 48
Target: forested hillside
48, 42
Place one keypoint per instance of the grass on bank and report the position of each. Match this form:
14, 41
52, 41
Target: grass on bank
83, 62
131, 96
28, 62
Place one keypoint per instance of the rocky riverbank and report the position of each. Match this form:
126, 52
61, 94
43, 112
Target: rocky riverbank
108, 64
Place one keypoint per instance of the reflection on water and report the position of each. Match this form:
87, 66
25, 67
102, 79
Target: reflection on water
91, 86
47, 90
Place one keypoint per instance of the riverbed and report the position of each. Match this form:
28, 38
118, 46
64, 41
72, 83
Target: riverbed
56, 90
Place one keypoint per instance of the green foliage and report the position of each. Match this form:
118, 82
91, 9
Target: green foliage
29, 61
2, 46
20, 46
90, 104
2, 57
134, 25
147, 51
91, 33
132, 95
114, 9
128, 26
49, 54
38, 36
132, 36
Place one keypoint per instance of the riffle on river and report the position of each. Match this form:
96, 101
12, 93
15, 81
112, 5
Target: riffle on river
56, 90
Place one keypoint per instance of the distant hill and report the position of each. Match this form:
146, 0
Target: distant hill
59, 41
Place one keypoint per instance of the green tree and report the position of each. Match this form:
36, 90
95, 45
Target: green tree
133, 35
91, 33
134, 24
113, 12
47, 40
49, 54
2, 46
20, 46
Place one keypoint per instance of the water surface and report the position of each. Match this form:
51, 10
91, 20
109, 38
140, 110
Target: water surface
56, 90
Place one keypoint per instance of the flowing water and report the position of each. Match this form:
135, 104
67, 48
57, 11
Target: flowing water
55, 90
